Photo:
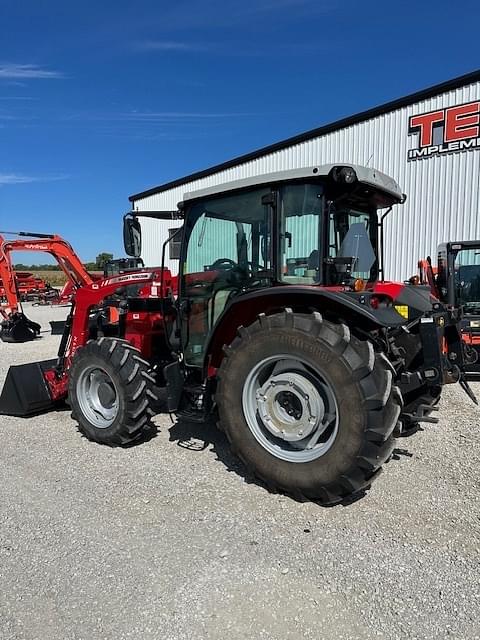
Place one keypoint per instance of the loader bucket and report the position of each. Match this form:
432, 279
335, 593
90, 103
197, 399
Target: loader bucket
18, 328
25, 392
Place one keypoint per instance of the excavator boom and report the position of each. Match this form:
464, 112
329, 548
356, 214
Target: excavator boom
16, 327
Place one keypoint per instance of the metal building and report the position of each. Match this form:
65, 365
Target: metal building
428, 141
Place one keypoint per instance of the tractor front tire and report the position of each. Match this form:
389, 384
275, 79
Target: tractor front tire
308, 407
111, 391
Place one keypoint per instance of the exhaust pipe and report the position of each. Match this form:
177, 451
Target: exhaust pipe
26, 392
18, 328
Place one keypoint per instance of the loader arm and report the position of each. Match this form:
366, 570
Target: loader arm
16, 327
60, 249
427, 276
7, 277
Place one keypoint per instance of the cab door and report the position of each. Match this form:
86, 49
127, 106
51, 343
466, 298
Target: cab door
226, 248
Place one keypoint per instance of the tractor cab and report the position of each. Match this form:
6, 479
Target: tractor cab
303, 229
314, 226
118, 266
458, 285
458, 275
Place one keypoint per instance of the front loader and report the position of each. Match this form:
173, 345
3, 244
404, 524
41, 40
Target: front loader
281, 328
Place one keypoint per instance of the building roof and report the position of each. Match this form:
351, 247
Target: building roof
418, 96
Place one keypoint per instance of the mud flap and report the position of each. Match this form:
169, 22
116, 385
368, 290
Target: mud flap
174, 379
25, 392
18, 328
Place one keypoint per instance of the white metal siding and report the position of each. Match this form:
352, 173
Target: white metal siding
443, 191
154, 234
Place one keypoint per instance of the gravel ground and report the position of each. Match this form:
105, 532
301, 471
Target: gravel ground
168, 539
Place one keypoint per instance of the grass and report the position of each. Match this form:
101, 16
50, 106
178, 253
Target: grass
55, 278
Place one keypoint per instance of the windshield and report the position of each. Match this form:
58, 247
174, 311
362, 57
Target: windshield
467, 279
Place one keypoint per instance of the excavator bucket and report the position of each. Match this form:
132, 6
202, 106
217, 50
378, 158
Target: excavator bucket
18, 328
25, 392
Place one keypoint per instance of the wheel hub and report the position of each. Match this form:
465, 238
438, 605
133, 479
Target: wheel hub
106, 394
97, 397
290, 406
290, 409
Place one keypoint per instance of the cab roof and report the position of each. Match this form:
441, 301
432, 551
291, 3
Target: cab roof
365, 175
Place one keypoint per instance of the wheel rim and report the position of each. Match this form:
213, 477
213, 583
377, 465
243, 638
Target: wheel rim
97, 397
290, 408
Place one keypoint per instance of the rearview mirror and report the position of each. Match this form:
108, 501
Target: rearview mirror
132, 236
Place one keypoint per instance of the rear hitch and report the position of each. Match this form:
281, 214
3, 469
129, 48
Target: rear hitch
18, 328
467, 388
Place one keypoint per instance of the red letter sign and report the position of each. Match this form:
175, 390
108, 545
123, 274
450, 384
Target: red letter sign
462, 122
424, 123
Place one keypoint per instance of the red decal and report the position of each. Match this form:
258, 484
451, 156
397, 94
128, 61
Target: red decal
462, 122
424, 123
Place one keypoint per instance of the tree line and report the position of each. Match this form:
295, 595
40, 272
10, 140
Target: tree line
98, 265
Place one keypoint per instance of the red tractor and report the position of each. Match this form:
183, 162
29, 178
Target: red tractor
281, 327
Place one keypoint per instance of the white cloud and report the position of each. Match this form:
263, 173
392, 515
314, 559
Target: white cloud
23, 98
14, 178
18, 178
169, 45
177, 115
167, 117
27, 71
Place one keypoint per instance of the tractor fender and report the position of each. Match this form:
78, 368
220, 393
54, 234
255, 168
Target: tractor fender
353, 308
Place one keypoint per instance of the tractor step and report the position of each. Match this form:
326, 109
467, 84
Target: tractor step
192, 415
413, 421
18, 328
57, 327
25, 392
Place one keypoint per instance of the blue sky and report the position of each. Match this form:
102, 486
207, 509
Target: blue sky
100, 100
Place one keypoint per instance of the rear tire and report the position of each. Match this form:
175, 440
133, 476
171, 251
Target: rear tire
110, 391
309, 376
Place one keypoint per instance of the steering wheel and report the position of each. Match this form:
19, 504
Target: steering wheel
223, 264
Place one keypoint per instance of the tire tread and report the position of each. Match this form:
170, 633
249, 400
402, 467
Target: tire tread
370, 370
136, 382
